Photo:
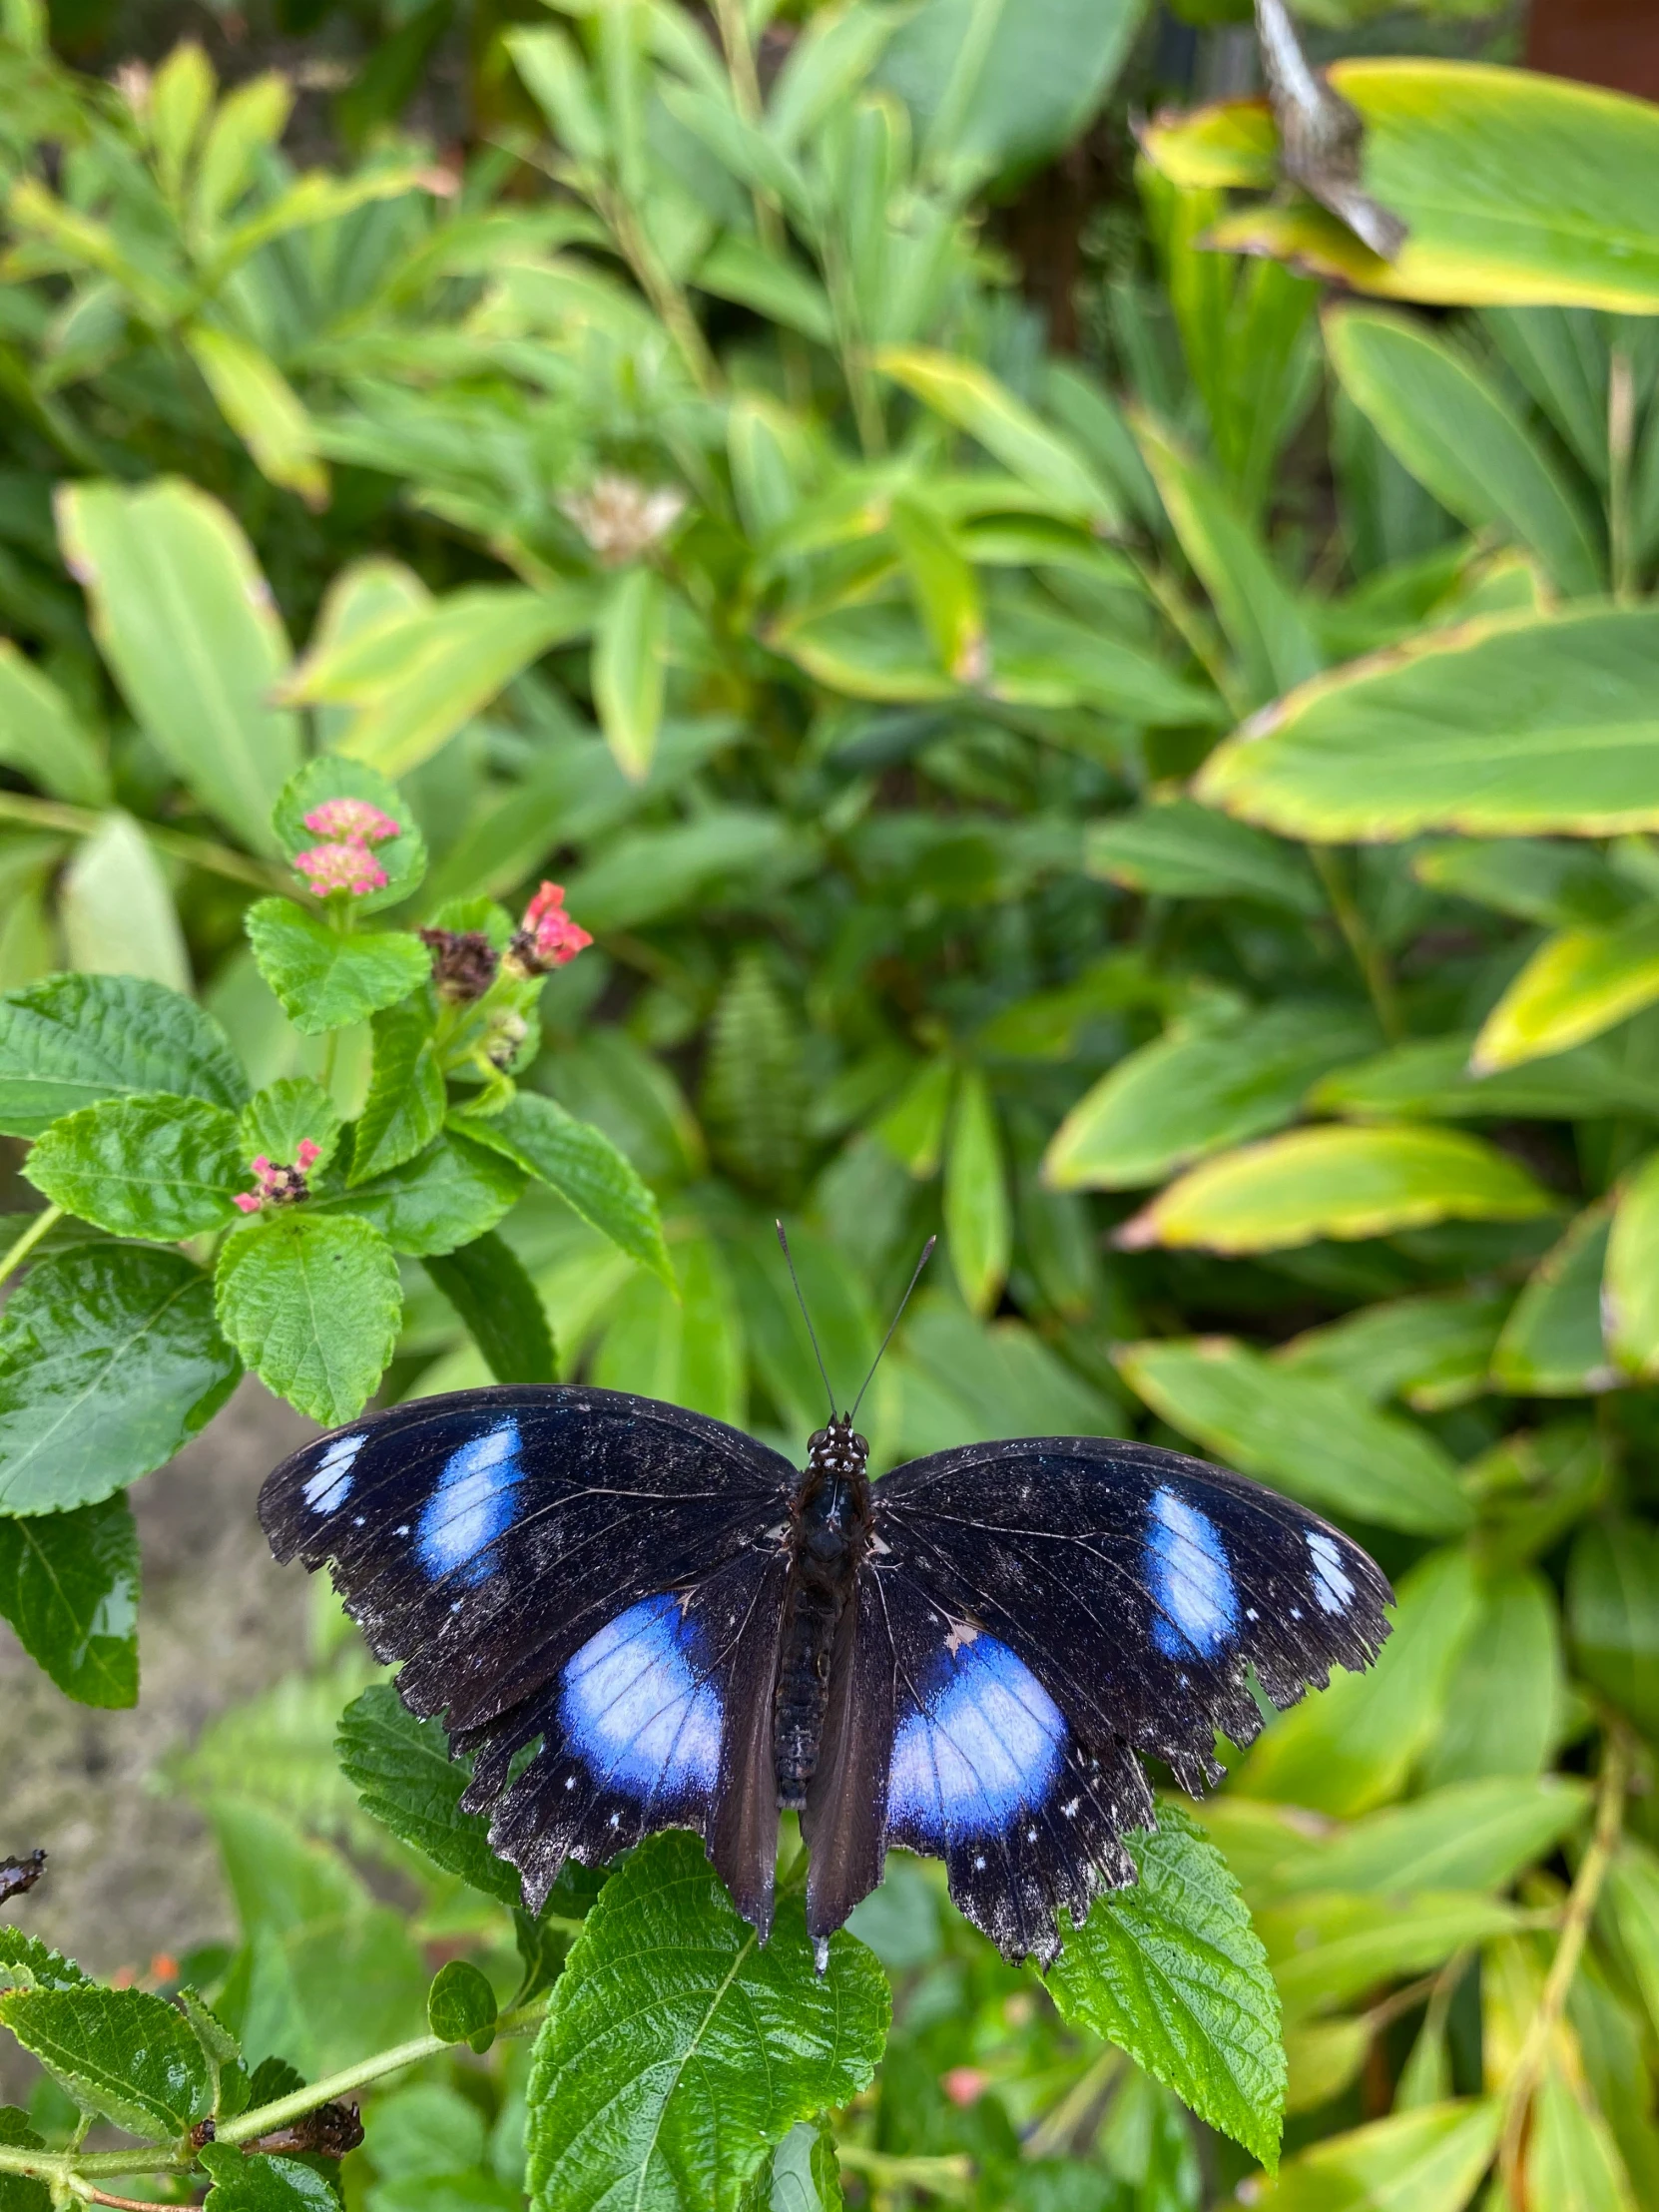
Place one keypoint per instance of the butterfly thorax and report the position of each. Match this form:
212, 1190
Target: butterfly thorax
828, 1535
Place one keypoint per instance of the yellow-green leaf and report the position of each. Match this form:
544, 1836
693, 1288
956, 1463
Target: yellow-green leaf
979, 1221
943, 588
628, 668
1577, 983
1631, 1285
263, 408
973, 400
1427, 2160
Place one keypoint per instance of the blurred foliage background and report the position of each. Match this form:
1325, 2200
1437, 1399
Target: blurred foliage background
805, 480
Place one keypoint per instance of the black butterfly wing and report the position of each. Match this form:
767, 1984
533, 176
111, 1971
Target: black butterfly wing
601, 1572
1033, 1615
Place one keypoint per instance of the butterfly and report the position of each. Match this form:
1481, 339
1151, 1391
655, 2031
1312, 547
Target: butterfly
634, 1617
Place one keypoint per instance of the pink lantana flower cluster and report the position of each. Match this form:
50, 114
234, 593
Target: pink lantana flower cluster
279, 1184
547, 939
344, 863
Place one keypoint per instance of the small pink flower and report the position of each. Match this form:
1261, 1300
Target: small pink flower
349, 868
279, 1184
964, 2085
547, 938
352, 820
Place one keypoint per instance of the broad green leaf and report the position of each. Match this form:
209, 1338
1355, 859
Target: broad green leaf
628, 642
1468, 1836
1458, 435
723, 857
331, 776
403, 1771
18, 2192
263, 408
1504, 727
486, 1283
1535, 879
1427, 2160
1630, 1309
702, 2049
69, 1585
312, 1300
581, 1163
963, 1382
317, 197
1184, 851
1307, 1434
406, 1099
1572, 2160
1323, 2057
1200, 1087
284, 1115
1576, 985
838, 1302
42, 737
122, 2053
912, 1128
977, 1217
1328, 1946
110, 1360
116, 910
453, 1193
1431, 1078
1172, 1971
1352, 1747
1432, 1351
268, 2183
1507, 1704
1551, 1345
944, 589
1629, 1915
1613, 1614
248, 120
145, 1166
323, 979
189, 625
73, 1040
461, 2006
774, 285
971, 398
1337, 1182
688, 1347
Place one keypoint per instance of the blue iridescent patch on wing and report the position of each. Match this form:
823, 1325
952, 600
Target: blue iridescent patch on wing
636, 1708
1333, 1584
985, 1743
328, 1487
475, 1503
1196, 1604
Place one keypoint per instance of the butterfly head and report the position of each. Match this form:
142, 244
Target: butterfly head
837, 1449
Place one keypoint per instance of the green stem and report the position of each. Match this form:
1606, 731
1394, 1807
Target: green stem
1367, 953
950, 2176
41, 1226
202, 852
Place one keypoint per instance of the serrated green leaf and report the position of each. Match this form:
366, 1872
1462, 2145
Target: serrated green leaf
402, 859
148, 1166
110, 1360
452, 1194
1172, 1971
312, 1303
460, 2005
219, 2047
18, 2192
268, 2183
405, 1108
702, 2049
122, 2053
491, 1291
69, 1585
587, 1170
27, 1964
73, 1040
279, 1119
403, 1771
326, 980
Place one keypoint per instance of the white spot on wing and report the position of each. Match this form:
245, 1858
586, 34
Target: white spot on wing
325, 1490
1333, 1584
473, 1503
1191, 1581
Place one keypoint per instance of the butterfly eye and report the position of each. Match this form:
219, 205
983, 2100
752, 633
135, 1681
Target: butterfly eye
861, 1448
819, 1439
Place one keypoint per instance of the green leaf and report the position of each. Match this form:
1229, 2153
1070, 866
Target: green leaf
977, 1216
42, 737
971, 398
27, 1964
1576, 985
1469, 1836
312, 1301
1458, 435
1201, 1087
1629, 1915
1431, 1078
1513, 725
263, 408
122, 2053
189, 628
1534, 878
627, 644
1507, 1704
912, 1128
1309, 1434
282, 1117
325, 980
490, 1289
1183, 850
1630, 1296
1573, 2160
268, 2183
1432, 1352
1613, 1614
454, 1193
109, 1361
1427, 2160
753, 1078
145, 1166
75, 1040
401, 1770
406, 1099
580, 1162
1334, 1182
332, 776
117, 909
69, 1585
1551, 1345
687, 1348
1328, 1946
461, 2006
944, 589
18, 2193
1172, 1971
702, 2049
722, 856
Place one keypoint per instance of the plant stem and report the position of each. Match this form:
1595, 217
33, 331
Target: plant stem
41, 1226
1367, 953
202, 852
1621, 439
950, 2176
1575, 1928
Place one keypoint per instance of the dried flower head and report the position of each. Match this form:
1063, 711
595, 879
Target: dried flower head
135, 85
463, 964
352, 820
279, 1184
349, 867
621, 518
547, 938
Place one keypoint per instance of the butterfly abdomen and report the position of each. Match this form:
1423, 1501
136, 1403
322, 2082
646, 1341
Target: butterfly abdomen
828, 1536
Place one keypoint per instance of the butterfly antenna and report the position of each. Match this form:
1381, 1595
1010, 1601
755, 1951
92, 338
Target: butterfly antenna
789, 1261
926, 1255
